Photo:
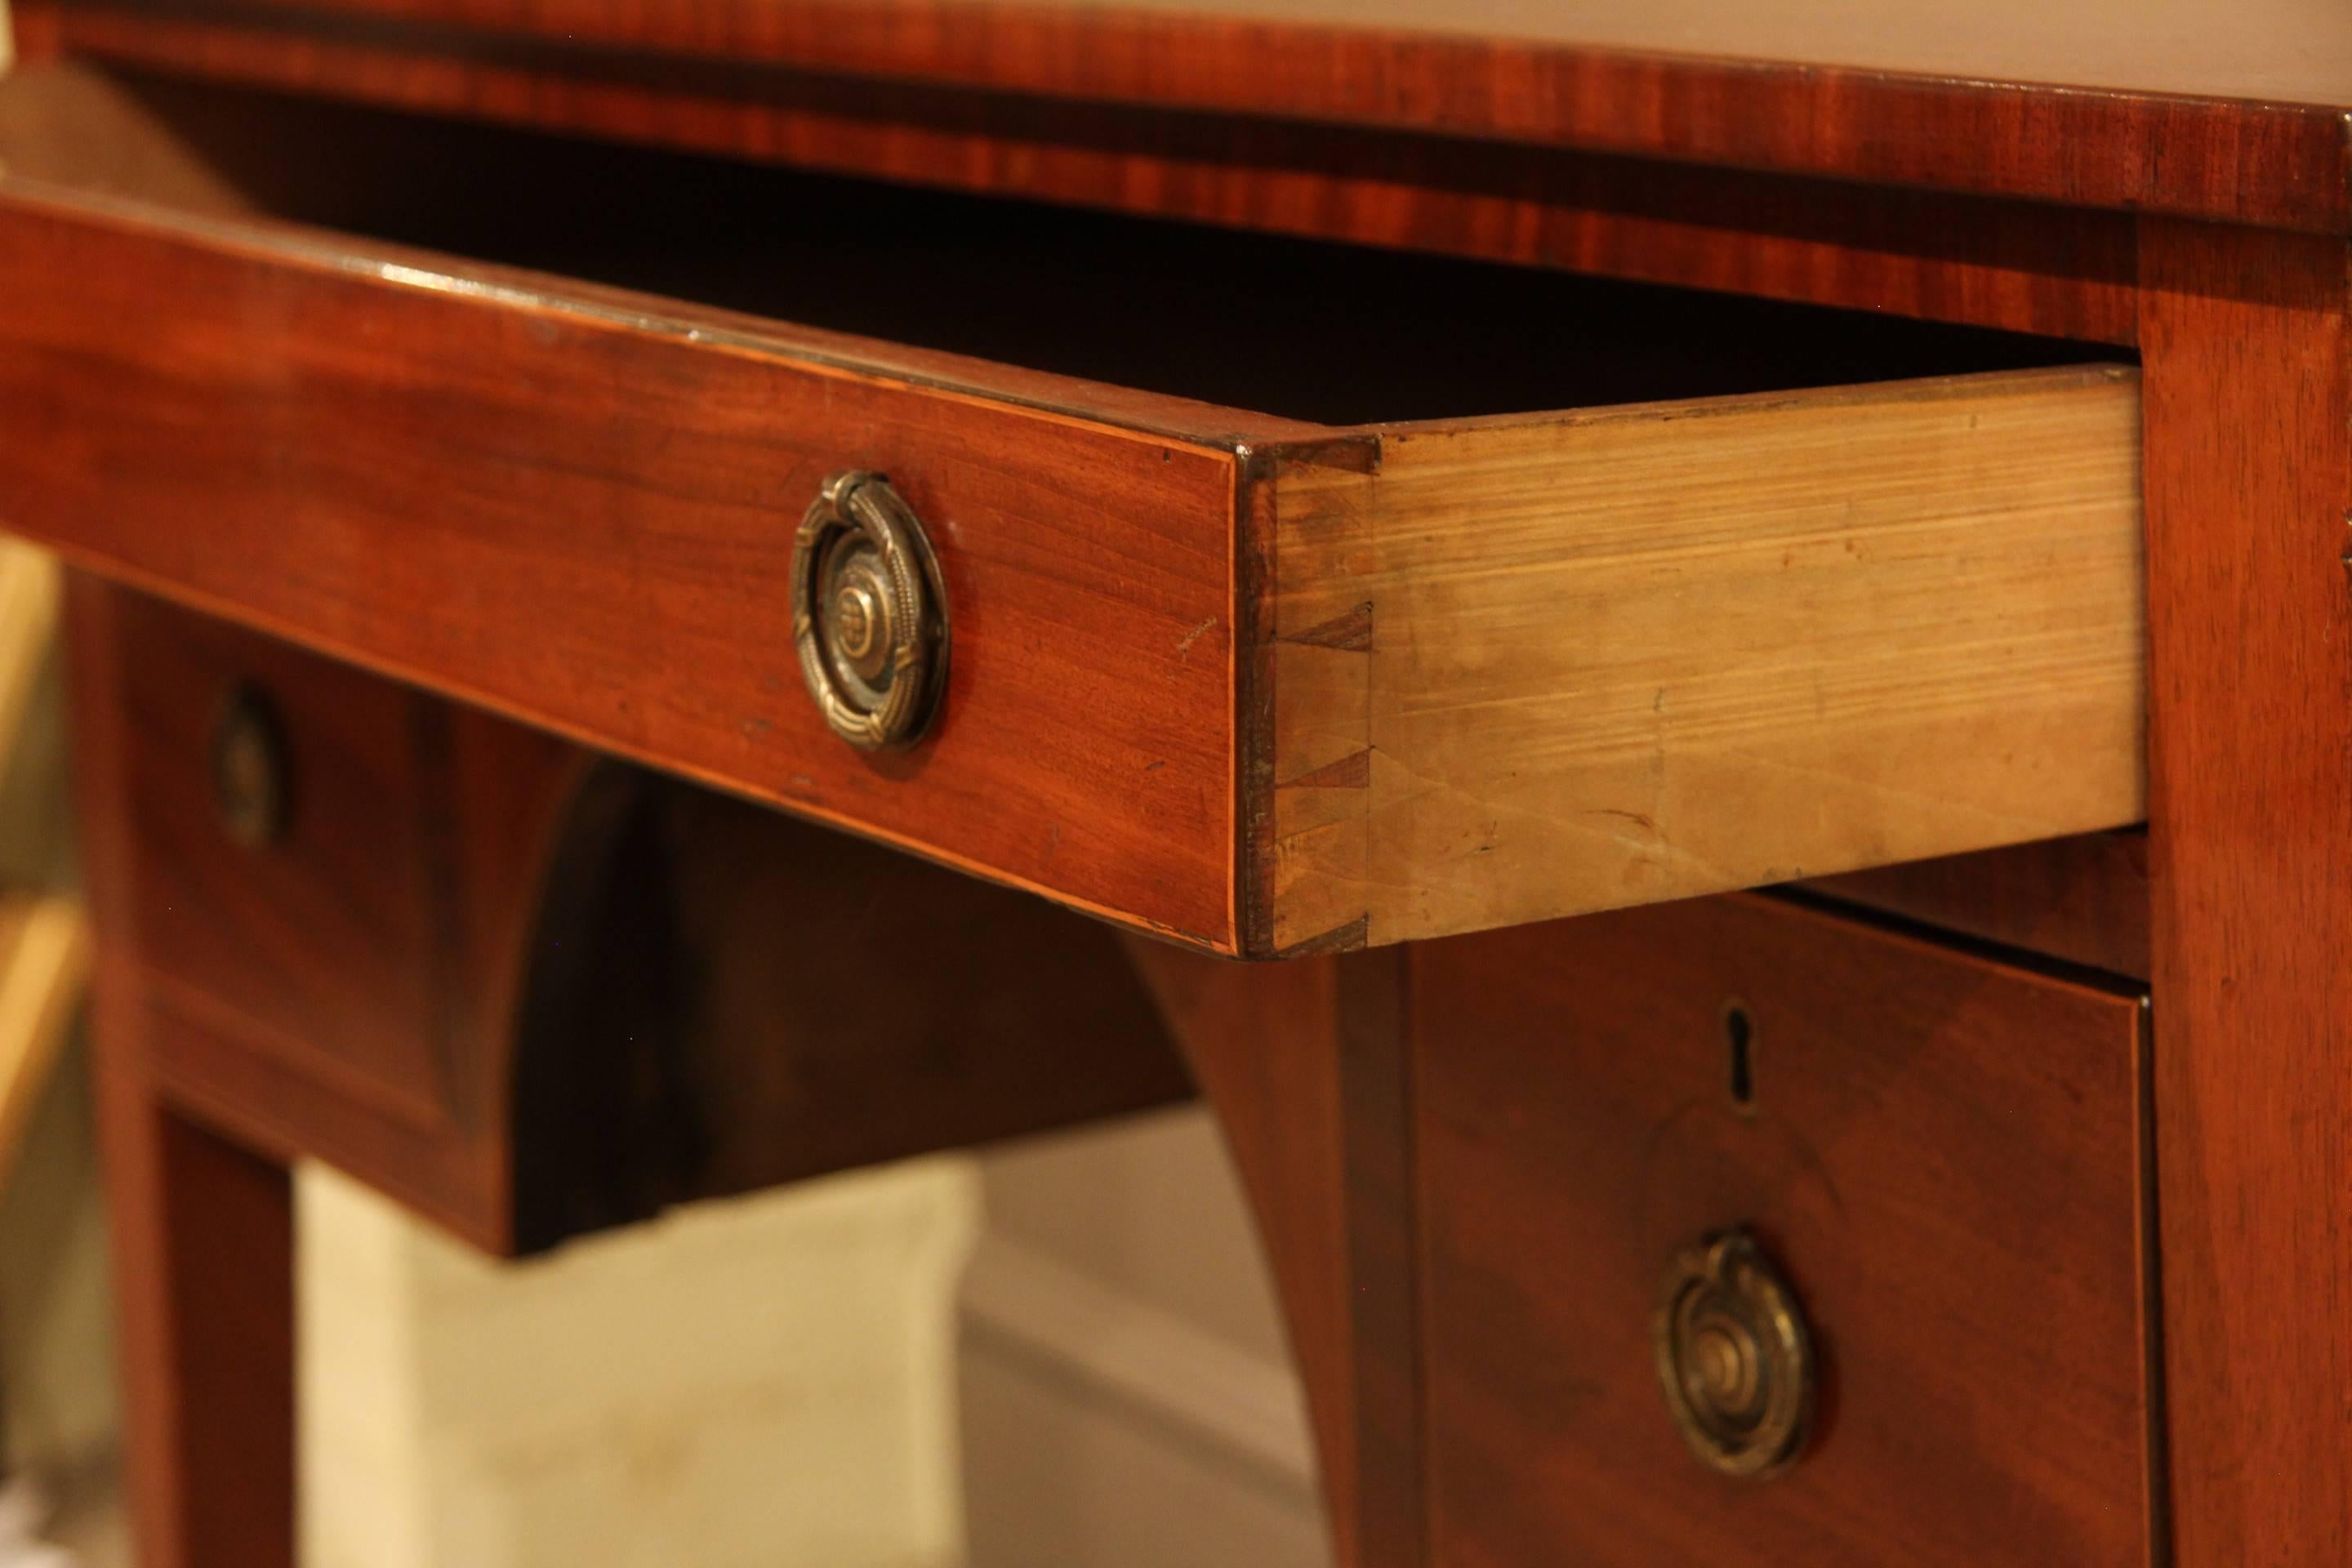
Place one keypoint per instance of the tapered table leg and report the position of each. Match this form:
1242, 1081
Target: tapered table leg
203, 1235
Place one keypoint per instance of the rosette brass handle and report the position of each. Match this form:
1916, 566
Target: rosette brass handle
869, 616
1735, 1357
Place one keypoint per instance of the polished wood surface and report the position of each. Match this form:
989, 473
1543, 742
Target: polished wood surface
347, 992
1537, 667
2249, 488
200, 1225
2084, 901
2284, 50
2289, 50
1096, 540
644, 994
325, 942
532, 998
721, 1000
2172, 181
640, 478
202, 1240
2259, 142
2005, 263
1261, 1041
1307, 1065
1943, 1154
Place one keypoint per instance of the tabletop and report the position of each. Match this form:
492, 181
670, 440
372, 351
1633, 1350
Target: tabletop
2187, 108
2288, 51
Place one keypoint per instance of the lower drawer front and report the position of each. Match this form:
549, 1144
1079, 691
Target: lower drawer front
1939, 1155
528, 993
281, 861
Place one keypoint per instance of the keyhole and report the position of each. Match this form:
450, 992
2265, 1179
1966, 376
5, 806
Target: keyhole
1739, 1034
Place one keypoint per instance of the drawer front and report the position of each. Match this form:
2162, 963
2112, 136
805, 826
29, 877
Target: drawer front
587, 517
316, 886
1943, 1158
532, 995
1264, 685
293, 900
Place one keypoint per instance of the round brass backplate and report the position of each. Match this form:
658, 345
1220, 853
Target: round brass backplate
1735, 1357
869, 614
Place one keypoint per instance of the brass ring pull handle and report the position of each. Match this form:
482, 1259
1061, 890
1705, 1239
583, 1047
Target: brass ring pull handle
1734, 1356
869, 616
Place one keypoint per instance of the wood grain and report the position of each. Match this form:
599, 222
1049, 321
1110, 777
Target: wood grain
2143, 142
1306, 1065
1381, 1099
347, 993
569, 504
531, 1004
200, 1229
721, 1000
1941, 1153
2082, 899
324, 941
583, 519
2292, 51
1262, 1045
1994, 262
1314, 337
203, 1236
1517, 674
2249, 397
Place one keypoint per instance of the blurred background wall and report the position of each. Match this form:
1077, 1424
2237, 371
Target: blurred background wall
1060, 1354
738, 1385
57, 1368
1128, 1395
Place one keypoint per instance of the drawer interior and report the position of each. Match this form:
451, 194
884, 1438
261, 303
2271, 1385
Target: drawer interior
1325, 334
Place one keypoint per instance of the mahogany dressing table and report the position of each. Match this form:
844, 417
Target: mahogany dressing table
1396, 522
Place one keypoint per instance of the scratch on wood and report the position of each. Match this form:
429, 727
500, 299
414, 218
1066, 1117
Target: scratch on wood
1350, 937
1345, 454
1185, 644
1349, 773
1350, 632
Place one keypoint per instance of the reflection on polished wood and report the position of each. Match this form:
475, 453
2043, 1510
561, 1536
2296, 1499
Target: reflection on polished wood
1408, 678
2203, 108
1941, 1153
1288, 577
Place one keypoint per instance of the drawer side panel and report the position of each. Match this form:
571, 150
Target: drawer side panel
1539, 669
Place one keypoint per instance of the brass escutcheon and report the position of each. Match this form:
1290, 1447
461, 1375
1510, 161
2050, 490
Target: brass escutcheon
869, 614
1735, 1357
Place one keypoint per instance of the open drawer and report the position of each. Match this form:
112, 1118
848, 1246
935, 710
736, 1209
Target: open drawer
1788, 592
